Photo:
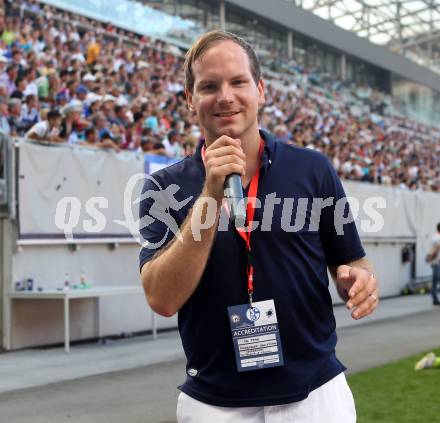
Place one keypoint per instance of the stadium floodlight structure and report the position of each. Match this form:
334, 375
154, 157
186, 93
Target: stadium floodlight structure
408, 27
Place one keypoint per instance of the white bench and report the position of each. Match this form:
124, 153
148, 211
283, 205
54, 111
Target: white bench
66, 296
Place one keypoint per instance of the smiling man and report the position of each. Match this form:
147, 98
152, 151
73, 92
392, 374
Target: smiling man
254, 310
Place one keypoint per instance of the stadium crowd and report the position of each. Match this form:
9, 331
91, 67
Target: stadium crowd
68, 79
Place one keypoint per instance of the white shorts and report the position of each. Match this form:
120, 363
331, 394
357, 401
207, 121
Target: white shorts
330, 403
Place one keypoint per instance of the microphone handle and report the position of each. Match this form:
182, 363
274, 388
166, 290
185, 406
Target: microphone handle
234, 196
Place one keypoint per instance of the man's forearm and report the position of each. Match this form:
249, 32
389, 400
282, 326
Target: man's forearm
171, 278
433, 253
34, 136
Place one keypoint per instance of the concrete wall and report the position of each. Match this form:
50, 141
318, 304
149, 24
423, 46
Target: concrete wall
7, 240
41, 322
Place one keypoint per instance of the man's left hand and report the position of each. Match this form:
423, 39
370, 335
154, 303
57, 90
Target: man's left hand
360, 289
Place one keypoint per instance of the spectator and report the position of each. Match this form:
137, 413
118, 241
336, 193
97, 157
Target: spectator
92, 104
434, 259
48, 129
16, 124
102, 125
4, 124
149, 146
135, 133
189, 148
8, 78
20, 88
91, 140
77, 53
121, 117
89, 81
3, 92
152, 120
108, 142
71, 125
93, 51
18, 61
30, 113
81, 93
61, 99
3, 63
173, 86
108, 107
31, 85
172, 145
282, 133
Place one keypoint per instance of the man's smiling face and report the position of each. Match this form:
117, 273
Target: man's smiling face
225, 96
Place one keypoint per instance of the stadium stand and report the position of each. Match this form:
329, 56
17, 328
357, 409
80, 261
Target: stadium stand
119, 90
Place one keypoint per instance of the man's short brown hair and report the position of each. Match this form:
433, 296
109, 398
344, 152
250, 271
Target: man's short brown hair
207, 41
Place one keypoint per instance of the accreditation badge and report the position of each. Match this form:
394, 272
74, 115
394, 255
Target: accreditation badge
255, 335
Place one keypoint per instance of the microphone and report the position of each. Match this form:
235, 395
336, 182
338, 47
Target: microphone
234, 196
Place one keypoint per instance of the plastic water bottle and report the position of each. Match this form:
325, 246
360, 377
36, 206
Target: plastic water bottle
82, 279
66, 281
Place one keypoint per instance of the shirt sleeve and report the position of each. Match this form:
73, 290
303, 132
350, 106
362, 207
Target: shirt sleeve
339, 236
155, 220
39, 129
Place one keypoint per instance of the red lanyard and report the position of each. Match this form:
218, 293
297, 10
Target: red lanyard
245, 233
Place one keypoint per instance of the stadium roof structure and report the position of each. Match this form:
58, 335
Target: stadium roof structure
409, 27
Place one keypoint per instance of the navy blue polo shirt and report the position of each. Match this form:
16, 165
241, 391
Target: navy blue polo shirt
290, 267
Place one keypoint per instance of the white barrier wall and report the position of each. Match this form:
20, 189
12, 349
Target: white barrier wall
407, 215
391, 273
47, 174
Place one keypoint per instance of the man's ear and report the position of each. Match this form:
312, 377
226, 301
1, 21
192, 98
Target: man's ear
189, 100
261, 96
